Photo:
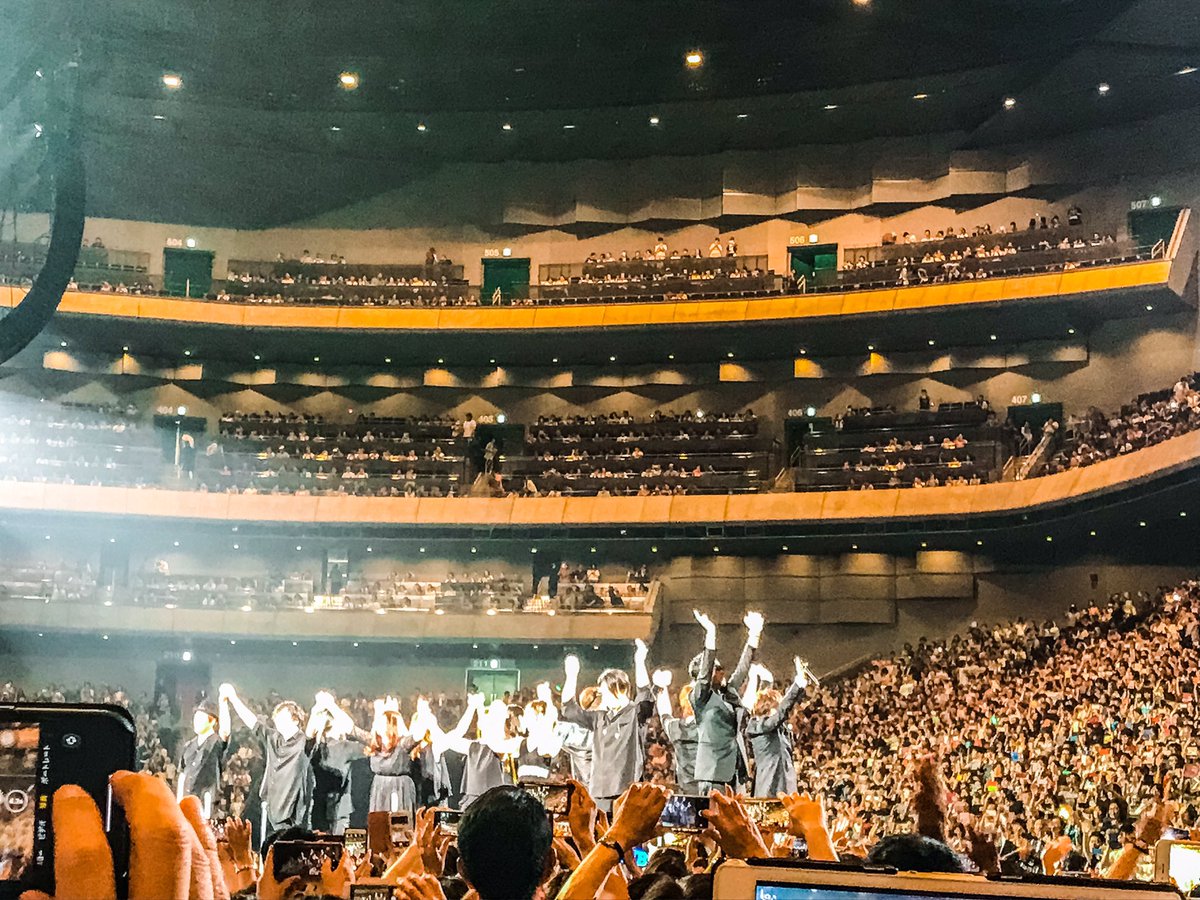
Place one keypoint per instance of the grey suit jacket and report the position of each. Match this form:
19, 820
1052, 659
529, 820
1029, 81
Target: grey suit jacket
720, 756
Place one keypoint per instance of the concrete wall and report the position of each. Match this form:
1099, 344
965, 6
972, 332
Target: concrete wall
1106, 368
379, 230
1038, 593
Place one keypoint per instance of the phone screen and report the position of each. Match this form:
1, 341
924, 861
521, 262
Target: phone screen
555, 797
356, 842
304, 858
20, 744
682, 813
641, 856
447, 820
768, 813
42, 747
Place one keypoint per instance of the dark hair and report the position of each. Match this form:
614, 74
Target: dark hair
669, 861
454, 888
917, 853
504, 841
616, 681
295, 709
698, 886
655, 886
294, 833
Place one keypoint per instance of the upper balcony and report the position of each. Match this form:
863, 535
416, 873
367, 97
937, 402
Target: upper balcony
427, 312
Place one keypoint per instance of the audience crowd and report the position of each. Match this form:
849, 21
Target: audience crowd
1021, 748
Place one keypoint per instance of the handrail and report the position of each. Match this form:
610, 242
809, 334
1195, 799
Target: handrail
1159, 250
1181, 224
1036, 456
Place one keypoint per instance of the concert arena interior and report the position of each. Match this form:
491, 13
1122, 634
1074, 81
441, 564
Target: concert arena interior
763, 437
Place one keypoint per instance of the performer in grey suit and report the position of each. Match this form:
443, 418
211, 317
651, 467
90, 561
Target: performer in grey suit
771, 736
680, 730
720, 755
618, 725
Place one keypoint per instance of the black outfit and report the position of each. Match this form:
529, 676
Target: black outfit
720, 755
618, 743
393, 788
287, 786
772, 741
199, 770
332, 774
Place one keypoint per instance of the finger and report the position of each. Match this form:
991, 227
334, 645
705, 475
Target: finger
83, 866
193, 811
35, 895
160, 853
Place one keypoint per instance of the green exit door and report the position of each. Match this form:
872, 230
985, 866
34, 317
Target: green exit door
504, 280
187, 273
493, 683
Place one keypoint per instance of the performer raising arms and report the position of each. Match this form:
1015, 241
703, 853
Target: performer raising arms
771, 736
335, 743
720, 758
539, 727
390, 749
287, 785
618, 725
490, 756
199, 767
681, 730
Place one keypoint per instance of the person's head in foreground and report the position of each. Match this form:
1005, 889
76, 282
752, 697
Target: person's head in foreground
504, 845
917, 853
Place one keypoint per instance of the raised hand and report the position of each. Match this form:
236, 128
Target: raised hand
801, 671
640, 651
733, 828
543, 693
637, 821
571, 666
226, 691
705, 622
754, 622
661, 678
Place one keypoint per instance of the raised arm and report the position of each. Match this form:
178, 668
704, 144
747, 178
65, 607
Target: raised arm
708, 659
570, 679
662, 694
640, 673
790, 698
227, 693
754, 628
340, 718
457, 739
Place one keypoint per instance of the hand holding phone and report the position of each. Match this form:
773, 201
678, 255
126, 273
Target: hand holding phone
56, 762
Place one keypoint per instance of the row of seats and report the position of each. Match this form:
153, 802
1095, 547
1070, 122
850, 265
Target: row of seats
462, 593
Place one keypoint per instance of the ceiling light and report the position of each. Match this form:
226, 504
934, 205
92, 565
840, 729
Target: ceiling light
1010, 102
992, 336
335, 128
743, 115
187, 352
871, 347
730, 354
422, 127
931, 342
348, 81
387, 359
1103, 88
158, 118
654, 120
257, 356
1149, 308
920, 96
172, 80
1187, 70
38, 129
124, 349
507, 126
62, 343
1070, 331
568, 127
669, 355
803, 352
554, 360
612, 359
831, 106
316, 359
694, 59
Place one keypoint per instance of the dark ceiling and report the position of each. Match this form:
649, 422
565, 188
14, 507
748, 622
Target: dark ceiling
260, 133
